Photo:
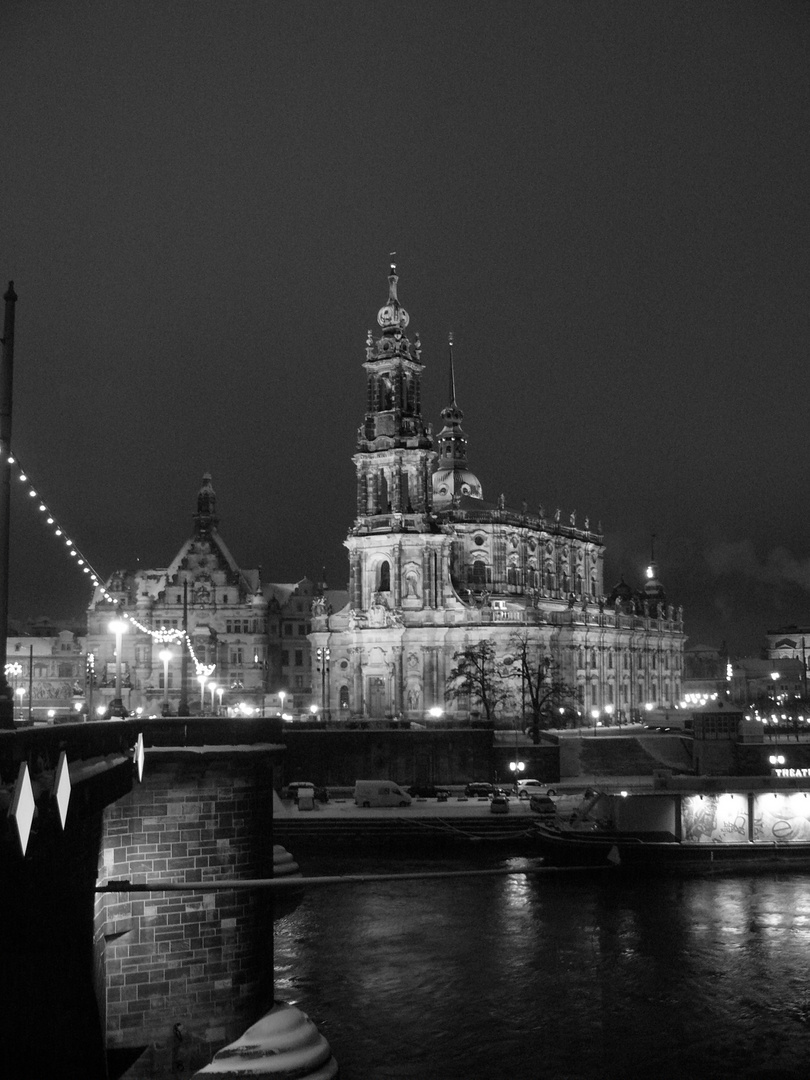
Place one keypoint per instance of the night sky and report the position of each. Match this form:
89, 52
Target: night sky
606, 203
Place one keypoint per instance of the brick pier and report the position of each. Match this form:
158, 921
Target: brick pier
185, 973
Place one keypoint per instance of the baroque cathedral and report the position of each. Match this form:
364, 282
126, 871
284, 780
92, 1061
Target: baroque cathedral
434, 569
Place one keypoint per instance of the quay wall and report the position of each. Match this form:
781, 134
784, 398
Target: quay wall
337, 758
184, 973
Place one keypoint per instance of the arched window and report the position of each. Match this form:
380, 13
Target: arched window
386, 393
512, 574
344, 697
531, 577
383, 505
384, 582
479, 574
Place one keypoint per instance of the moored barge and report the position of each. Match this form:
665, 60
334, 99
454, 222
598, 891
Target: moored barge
729, 825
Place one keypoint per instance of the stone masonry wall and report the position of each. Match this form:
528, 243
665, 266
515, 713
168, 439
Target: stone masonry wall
186, 972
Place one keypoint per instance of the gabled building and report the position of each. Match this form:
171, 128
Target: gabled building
435, 568
201, 617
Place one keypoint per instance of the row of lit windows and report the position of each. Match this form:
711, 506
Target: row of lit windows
668, 661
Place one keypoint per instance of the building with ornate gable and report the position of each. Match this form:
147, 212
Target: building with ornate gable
250, 634
435, 568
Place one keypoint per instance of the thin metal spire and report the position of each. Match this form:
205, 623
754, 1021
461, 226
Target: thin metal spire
452, 371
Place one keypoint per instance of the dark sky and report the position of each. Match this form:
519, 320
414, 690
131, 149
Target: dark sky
607, 204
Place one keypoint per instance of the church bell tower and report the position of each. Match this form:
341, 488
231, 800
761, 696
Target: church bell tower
395, 457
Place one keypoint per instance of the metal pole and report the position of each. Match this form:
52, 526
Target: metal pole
182, 708
6, 385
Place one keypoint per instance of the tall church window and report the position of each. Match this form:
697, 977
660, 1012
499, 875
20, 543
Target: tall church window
479, 574
343, 697
531, 577
383, 505
386, 393
384, 583
512, 574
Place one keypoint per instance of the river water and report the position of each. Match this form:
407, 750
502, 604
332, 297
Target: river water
557, 976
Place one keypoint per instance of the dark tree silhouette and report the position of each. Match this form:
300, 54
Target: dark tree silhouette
477, 675
542, 690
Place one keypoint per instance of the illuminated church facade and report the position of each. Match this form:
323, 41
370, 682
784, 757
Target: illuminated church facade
434, 568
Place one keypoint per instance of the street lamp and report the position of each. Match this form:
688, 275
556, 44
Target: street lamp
517, 768
220, 692
323, 662
595, 717
20, 692
214, 689
203, 679
165, 656
118, 627
436, 712
282, 695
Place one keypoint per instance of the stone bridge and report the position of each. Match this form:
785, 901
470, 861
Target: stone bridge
87, 971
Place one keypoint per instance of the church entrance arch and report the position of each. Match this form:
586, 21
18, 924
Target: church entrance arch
376, 696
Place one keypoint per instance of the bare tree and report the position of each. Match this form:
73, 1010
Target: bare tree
477, 675
542, 690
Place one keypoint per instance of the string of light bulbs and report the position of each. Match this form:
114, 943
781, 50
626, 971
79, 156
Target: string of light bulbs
161, 636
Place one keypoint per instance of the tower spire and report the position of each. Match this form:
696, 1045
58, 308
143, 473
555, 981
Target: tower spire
206, 520
452, 477
452, 371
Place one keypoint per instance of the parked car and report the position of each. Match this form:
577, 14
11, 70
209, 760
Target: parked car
499, 803
479, 789
428, 791
300, 787
533, 787
543, 805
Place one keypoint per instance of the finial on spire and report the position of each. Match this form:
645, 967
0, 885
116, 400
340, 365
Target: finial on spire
393, 314
452, 371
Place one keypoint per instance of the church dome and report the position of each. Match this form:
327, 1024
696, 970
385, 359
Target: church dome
452, 483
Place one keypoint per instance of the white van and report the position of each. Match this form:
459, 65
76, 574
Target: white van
380, 793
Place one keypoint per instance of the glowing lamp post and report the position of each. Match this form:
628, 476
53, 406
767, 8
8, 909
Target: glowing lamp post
220, 692
165, 656
20, 692
118, 627
213, 688
516, 768
202, 679
282, 695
